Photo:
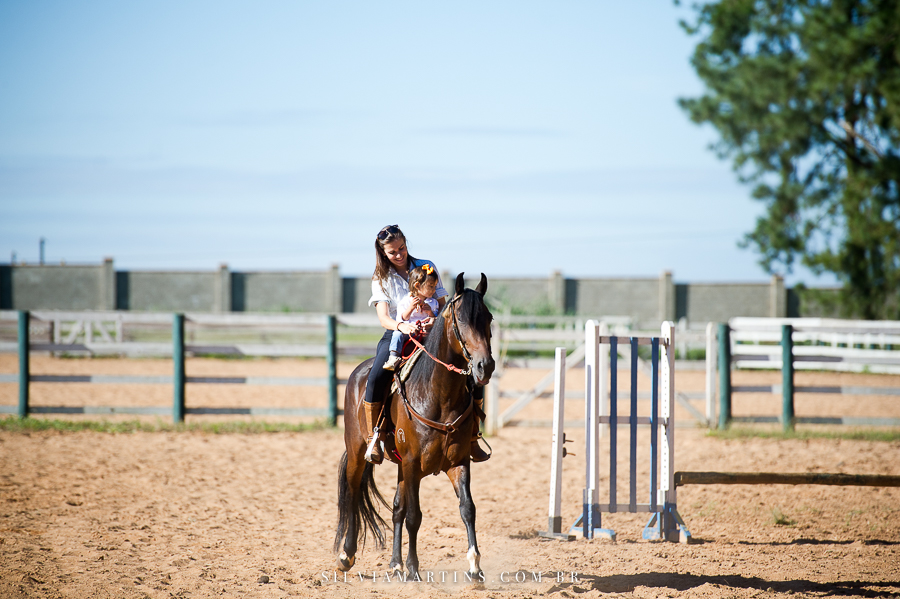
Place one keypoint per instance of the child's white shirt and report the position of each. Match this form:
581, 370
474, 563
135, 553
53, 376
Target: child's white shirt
417, 314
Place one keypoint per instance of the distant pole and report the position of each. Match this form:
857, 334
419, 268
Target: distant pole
24, 374
331, 350
42, 250
724, 375
711, 374
178, 379
787, 377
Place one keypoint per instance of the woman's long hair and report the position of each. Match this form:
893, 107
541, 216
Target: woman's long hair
383, 266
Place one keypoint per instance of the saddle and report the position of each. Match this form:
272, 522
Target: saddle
400, 376
406, 366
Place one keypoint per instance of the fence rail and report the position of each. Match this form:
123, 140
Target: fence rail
85, 324
856, 346
147, 334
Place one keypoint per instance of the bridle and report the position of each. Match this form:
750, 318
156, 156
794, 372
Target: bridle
448, 428
451, 305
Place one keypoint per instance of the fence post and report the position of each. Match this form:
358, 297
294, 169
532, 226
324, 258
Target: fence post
711, 375
178, 379
787, 377
331, 350
24, 364
724, 375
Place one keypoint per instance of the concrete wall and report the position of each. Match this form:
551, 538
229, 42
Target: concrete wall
531, 295
646, 300
63, 287
717, 302
356, 292
167, 291
638, 298
283, 291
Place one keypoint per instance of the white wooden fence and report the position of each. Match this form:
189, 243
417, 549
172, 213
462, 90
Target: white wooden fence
825, 344
819, 344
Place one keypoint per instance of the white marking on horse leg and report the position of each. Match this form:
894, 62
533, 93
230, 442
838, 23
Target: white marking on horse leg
347, 560
474, 560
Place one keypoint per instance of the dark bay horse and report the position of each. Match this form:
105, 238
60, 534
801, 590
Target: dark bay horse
432, 434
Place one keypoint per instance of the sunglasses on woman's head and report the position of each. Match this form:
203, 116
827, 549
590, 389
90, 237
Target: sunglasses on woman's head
388, 230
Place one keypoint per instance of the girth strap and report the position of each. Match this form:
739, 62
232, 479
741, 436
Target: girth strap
447, 428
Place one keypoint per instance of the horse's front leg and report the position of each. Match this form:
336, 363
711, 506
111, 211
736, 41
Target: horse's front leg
399, 514
411, 482
459, 476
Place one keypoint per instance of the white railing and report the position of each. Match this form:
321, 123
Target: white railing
819, 344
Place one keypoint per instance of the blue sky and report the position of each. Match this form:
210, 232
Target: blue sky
513, 138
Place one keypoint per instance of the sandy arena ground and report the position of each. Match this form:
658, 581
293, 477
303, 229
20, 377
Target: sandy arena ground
201, 515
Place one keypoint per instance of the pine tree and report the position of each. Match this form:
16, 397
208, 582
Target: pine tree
805, 96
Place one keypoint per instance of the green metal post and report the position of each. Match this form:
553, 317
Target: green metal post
331, 349
724, 375
178, 379
787, 377
24, 365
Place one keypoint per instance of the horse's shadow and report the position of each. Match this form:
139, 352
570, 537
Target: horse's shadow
627, 583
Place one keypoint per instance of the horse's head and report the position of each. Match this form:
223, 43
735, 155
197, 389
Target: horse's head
470, 320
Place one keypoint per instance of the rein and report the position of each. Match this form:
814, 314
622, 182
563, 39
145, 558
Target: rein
462, 344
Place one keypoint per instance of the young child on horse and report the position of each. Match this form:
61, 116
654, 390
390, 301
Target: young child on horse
418, 305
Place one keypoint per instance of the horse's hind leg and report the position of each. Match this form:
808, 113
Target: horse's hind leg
399, 514
349, 497
459, 476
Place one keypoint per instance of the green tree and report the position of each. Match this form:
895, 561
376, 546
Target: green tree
805, 96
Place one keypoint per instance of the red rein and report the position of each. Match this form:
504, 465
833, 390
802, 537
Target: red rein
449, 367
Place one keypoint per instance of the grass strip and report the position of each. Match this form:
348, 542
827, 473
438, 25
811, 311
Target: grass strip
15, 424
736, 433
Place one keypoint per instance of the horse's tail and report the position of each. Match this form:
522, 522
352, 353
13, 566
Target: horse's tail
365, 511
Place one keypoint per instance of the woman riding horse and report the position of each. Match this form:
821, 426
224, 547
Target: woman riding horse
434, 416
390, 284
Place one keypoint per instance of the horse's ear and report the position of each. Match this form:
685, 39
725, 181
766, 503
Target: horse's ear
482, 285
460, 283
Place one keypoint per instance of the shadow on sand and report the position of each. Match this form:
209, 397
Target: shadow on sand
626, 583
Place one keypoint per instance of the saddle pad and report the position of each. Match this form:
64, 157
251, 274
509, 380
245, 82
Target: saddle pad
406, 368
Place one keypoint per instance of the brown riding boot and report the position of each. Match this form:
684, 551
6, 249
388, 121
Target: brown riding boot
374, 453
476, 453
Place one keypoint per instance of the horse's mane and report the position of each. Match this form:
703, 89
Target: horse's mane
471, 310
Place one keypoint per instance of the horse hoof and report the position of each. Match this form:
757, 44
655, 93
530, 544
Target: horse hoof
344, 563
474, 563
397, 568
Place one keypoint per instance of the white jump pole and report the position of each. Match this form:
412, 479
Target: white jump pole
592, 423
557, 452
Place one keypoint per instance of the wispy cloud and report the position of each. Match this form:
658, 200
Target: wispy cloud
258, 118
491, 132
39, 177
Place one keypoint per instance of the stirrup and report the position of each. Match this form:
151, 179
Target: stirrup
476, 453
374, 454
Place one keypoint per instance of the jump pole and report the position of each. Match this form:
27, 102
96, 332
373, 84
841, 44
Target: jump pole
558, 451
